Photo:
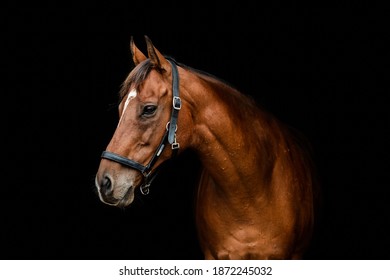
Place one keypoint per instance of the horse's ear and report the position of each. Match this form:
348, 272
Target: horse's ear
156, 58
136, 54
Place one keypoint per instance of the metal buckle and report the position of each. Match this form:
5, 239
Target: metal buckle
145, 189
167, 126
175, 146
176, 103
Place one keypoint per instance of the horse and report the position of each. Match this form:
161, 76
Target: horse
256, 196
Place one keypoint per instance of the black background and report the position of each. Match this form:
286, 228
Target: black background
319, 70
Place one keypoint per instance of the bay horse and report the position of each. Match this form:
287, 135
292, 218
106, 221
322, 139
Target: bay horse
256, 193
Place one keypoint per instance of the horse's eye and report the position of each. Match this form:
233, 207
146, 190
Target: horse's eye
149, 110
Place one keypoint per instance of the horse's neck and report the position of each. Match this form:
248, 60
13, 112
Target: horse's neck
222, 146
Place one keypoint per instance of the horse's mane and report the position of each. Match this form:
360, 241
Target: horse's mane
243, 107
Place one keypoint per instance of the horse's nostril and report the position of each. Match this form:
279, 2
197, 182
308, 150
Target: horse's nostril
106, 184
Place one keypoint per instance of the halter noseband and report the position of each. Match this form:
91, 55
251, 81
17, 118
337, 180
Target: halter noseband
170, 135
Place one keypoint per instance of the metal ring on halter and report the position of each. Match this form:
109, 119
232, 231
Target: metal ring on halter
145, 189
167, 126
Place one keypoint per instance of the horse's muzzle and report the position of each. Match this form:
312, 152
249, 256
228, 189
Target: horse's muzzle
114, 192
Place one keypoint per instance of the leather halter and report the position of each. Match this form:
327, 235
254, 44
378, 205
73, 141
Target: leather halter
169, 135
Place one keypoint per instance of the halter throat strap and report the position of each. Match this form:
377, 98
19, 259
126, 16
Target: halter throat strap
169, 135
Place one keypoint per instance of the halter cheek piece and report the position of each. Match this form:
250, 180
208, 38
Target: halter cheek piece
169, 135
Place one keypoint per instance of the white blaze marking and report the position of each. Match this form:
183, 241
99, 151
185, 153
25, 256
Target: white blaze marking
132, 94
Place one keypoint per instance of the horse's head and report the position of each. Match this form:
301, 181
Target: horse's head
146, 133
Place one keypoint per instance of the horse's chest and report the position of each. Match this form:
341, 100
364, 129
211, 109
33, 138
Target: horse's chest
224, 237
238, 242
236, 230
